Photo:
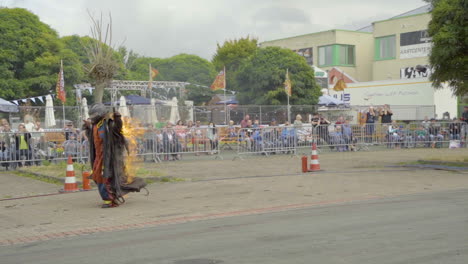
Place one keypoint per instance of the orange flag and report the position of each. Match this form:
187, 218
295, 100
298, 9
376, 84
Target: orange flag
220, 81
154, 72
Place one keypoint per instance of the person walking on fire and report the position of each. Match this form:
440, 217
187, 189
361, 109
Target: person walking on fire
107, 145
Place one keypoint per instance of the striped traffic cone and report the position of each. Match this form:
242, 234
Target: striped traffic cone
314, 161
70, 180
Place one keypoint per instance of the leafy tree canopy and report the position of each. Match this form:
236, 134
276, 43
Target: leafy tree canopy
449, 56
232, 54
182, 68
261, 78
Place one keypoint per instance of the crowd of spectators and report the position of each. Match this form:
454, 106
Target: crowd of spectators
28, 142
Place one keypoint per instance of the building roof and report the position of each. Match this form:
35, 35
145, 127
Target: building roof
420, 10
417, 11
369, 28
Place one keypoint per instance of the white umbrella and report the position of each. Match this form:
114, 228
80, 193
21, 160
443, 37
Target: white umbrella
123, 109
153, 118
84, 107
174, 117
49, 112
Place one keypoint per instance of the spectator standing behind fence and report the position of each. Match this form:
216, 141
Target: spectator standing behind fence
464, 116
245, 121
212, 135
348, 136
69, 130
181, 132
170, 143
435, 134
231, 131
287, 135
371, 116
256, 124
455, 129
198, 137
3, 122
29, 124
38, 136
246, 134
161, 124
320, 125
426, 122
71, 146
23, 147
298, 122
5, 144
421, 134
386, 114
340, 120
393, 135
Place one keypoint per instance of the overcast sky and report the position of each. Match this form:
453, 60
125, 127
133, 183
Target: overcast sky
160, 28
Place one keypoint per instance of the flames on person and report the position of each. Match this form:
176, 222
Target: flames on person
132, 131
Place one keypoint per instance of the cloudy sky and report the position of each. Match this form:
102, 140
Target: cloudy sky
160, 28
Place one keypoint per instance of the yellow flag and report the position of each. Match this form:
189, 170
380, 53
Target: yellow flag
340, 85
220, 81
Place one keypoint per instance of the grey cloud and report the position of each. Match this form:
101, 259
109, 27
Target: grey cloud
281, 15
162, 28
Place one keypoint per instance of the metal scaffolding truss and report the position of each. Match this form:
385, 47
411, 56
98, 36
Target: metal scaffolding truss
142, 86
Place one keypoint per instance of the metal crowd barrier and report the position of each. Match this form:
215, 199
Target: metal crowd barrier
174, 143
33, 148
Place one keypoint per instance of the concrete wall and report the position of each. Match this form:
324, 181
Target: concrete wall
363, 42
417, 93
364, 50
390, 69
313, 40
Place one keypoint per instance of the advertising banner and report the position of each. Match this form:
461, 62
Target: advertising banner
415, 44
307, 54
418, 71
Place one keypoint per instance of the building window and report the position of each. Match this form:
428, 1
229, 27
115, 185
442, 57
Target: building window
385, 48
336, 55
326, 55
346, 55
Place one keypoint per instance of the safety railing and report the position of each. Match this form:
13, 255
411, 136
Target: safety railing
172, 143
180, 142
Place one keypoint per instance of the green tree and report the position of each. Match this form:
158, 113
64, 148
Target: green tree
182, 68
261, 79
232, 54
30, 56
449, 56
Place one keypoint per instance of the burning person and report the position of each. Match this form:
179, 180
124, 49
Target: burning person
107, 145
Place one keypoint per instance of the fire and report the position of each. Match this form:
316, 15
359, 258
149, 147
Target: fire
132, 131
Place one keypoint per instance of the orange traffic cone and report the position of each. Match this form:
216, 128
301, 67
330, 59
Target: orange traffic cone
86, 184
314, 162
70, 180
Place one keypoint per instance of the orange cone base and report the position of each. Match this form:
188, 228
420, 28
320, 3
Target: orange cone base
70, 187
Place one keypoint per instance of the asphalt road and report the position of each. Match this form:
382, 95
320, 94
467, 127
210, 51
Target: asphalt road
424, 228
